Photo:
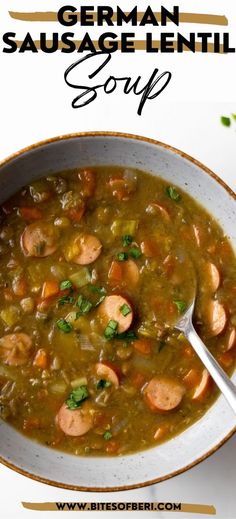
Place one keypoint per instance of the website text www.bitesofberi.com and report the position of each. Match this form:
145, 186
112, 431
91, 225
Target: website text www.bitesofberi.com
78, 506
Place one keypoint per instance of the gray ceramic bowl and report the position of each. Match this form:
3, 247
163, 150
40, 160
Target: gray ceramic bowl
219, 423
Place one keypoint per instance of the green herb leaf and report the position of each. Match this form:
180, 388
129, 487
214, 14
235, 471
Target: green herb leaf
173, 193
64, 326
135, 252
76, 397
225, 121
66, 284
234, 117
102, 384
125, 309
98, 290
84, 305
181, 305
122, 256
66, 300
107, 435
127, 240
110, 330
130, 335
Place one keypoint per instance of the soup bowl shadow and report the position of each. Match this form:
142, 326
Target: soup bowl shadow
206, 435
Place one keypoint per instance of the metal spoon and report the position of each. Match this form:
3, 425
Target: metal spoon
185, 325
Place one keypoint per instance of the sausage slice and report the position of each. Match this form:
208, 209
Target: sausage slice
111, 309
231, 339
216, 317
163, 393
213, 276
203, 386
106, 372
15, 348
84, 249
74, 422
39, 240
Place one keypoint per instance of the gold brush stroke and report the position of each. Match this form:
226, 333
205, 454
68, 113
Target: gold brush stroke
138, 45
185, 507
210, 19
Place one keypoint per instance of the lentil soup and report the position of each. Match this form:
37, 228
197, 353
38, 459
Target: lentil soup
96, 266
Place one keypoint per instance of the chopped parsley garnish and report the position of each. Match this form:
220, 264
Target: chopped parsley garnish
130, 335
125, 309
127, 240
66, 300
66, 285
181, 305
64, 326
110, 330
225, 121
135, 252
107, 435
122, 256
102, 384
84, 305
97, 290
173, 193
77, 396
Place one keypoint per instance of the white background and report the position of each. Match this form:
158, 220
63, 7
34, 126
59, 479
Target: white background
35, 104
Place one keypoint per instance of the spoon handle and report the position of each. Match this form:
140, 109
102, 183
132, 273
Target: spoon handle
219, 376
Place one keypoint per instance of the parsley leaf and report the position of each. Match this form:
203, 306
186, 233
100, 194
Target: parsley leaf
125, 309
66, 284
84, 305
127, 240
66, 300
107, 435
181, 305
225, 121
102, 384
122, 256
64, 326
76, 397
135, 252
110, 330
130, 335
173, 193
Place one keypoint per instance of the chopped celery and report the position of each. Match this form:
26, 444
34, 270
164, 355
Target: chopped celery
80, 381
10, 315
58, 388
81, 278
122, 227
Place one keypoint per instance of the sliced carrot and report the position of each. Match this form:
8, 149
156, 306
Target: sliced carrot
30, 213
41, 359
75, 214
150, 248
88, 178
143, 346
226, 359
115, 272
137, 379
50, 288
123, 273
112, 447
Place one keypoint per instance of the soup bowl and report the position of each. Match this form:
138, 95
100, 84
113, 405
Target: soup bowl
219, 423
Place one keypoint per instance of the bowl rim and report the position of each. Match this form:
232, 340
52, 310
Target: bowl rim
197, 163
